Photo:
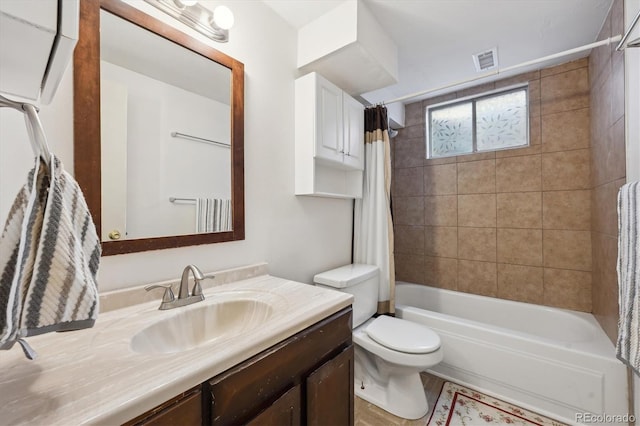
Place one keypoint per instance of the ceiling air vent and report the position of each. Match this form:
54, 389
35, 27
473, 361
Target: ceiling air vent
486, 60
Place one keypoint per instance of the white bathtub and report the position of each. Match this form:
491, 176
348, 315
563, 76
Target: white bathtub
554, 361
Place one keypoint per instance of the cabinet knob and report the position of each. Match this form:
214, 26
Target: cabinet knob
114, 235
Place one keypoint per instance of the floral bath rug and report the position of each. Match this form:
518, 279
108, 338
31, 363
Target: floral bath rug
461, 406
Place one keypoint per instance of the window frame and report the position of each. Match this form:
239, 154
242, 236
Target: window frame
473, 99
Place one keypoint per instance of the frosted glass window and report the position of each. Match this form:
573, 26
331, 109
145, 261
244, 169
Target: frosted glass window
452, 130
501, 121
487, 122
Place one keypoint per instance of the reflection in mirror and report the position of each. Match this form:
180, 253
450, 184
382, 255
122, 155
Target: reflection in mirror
166, 124
165, 167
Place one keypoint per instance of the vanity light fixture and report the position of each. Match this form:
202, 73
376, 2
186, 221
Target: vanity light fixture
215, 25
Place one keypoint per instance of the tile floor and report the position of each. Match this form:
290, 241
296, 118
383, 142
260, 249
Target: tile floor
367, 414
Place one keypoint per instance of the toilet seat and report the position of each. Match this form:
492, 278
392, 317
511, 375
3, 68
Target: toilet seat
421, 361
402, 335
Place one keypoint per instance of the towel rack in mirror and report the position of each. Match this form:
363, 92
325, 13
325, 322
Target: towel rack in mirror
199, 139
183, 200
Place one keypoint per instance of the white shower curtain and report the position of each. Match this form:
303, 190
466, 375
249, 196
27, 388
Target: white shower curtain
373, 229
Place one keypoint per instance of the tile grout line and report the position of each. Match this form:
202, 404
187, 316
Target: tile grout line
495, 187
544, 284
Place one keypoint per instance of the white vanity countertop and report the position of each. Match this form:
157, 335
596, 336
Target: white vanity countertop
92, 376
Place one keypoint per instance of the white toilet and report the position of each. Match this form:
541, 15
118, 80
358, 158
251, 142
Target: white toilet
390, 352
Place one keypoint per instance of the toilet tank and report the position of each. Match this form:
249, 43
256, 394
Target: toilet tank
359, 280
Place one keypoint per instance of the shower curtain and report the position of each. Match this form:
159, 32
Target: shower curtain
373, 229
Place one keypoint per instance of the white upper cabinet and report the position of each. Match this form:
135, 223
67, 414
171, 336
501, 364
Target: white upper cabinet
329, 131
353, 142
329, 126
338, 122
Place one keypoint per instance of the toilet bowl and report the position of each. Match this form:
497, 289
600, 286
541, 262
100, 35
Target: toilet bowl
390, 352
390, 378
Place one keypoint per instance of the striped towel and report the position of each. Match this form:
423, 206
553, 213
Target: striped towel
49, 258
628, 344
213, 215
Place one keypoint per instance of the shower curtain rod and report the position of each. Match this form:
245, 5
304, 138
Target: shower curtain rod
502, 70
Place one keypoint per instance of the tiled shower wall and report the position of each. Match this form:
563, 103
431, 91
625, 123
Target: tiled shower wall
514, 224
606, 77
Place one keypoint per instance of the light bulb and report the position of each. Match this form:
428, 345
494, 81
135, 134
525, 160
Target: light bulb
223, 17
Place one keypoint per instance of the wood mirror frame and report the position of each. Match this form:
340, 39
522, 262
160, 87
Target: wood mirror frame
87, 165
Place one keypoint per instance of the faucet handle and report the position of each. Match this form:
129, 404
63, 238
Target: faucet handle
197, 277
197, 287
168, 295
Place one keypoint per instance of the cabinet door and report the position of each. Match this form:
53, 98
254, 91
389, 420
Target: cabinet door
330, 391
329, 136
353, 133
286, 411
242, 392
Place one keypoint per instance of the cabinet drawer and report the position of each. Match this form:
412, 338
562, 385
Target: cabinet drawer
183, 410
239, 394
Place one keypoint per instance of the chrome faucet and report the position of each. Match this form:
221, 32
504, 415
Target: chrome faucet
169, 300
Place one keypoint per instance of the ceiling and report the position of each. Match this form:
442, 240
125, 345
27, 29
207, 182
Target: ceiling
437, 38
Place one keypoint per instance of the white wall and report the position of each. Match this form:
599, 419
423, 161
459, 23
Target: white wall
297, 236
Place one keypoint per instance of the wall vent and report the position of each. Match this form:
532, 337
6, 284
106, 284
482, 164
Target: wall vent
486, 60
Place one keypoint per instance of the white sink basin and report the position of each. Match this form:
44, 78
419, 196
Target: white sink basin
199, 324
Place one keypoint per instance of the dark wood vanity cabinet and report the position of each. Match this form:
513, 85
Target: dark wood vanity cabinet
184, 410
305, 380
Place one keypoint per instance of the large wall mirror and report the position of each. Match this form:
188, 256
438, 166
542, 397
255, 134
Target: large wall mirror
158, 131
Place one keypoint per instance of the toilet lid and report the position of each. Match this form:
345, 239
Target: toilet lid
402, 335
